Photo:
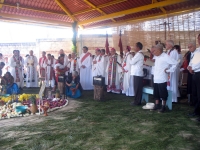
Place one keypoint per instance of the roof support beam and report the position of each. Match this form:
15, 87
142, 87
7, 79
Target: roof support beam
98, 9
1, 3
133, 10
148, 17
62, 6
161, 8
100, 6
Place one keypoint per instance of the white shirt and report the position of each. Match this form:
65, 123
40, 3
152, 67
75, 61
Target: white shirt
161, 63
137, 64
195, 67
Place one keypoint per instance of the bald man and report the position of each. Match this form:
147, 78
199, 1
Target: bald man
31, 63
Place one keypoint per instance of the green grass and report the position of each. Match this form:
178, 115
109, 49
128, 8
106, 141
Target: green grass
110, 125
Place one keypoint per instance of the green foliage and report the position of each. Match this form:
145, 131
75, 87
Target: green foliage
74, 26
33, 99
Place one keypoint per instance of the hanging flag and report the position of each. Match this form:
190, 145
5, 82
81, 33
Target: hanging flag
120, 45
107, 44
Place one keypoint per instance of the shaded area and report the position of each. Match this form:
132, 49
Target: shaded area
109, 125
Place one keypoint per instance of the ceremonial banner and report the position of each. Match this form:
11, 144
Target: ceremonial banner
107, 44
120, 45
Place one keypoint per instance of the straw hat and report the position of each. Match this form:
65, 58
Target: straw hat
148, 106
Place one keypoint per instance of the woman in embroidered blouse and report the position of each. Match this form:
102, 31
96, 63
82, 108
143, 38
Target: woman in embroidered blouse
8, 82
74, 88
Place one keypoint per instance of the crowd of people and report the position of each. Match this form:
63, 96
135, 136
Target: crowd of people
123, 74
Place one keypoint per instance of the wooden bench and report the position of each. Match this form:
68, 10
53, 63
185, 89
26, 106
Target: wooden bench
149, 91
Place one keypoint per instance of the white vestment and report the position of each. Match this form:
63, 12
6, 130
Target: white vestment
32, 74
49, 65
66, 62
6, 68
116, 87
174, 77
101, 66
128, 88
86, 73
94, 66
74, 67
13, 66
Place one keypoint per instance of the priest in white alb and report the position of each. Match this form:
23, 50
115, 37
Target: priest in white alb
74, 66
127, 84
41, 65
31, 63
113, 71
173, 78
101, 64
85, 65
16, 63
95, 61
49, 72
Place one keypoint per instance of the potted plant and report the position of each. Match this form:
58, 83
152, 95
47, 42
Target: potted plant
33, 107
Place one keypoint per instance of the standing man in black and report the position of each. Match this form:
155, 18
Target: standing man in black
137, 72
194, 68
192, 49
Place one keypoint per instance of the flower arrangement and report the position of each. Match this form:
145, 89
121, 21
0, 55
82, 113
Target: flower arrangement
27, 96
22, 97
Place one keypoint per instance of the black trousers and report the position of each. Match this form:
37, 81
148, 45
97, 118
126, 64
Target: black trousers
160, 91
138, 85
189, 88
152, 80
196, 91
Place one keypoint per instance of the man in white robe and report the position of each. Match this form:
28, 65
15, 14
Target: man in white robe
41, 65
31, 63
102, 64
16, 63
49, 71
95, 61
85, 65
74, 66
127, 84
113, 70
173, 76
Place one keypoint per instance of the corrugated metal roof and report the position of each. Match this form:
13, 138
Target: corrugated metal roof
75, 5
49, 9
48, 5
88, 15
100, 2
35, 14
125, 5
